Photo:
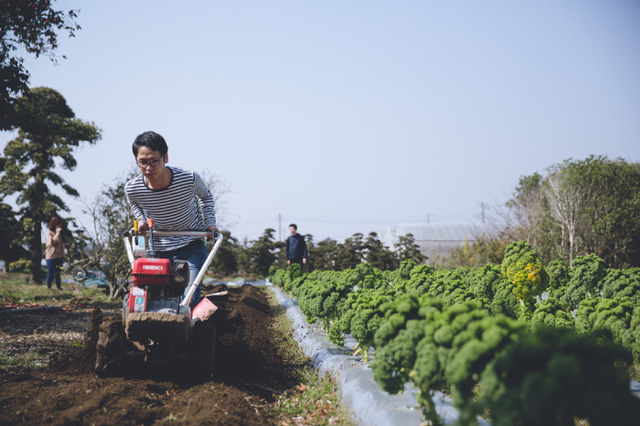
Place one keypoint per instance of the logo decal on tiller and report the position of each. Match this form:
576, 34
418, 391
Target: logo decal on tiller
153, 267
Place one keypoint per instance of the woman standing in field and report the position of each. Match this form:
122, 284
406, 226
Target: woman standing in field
54, 251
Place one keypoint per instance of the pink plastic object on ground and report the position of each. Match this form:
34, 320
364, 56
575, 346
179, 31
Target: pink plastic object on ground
204, 310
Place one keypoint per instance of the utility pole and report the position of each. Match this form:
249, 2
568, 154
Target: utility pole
280, 226
483, 206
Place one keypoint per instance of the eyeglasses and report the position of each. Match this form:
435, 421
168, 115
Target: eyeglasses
152, 163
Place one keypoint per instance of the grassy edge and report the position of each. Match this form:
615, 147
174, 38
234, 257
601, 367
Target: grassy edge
314, 400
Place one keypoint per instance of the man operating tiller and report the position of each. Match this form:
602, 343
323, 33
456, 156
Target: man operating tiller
176, 200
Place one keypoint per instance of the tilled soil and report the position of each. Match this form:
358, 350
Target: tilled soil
248, 371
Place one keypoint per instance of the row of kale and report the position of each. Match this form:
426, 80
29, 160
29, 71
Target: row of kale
486, 335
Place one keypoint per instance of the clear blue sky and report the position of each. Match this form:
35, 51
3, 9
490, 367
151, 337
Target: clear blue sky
351, 116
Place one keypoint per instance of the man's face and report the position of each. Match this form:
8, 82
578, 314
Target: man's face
293, 230
150, 162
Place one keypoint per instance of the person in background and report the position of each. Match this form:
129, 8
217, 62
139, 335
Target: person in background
54, 252
296, 247
176, 200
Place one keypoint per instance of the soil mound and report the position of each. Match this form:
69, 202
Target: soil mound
248, 371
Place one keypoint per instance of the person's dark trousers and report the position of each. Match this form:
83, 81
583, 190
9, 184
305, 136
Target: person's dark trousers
54, 267
195, 253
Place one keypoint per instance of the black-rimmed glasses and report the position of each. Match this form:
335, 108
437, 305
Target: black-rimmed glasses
152, 163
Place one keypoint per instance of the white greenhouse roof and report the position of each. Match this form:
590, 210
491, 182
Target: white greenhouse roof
454, 232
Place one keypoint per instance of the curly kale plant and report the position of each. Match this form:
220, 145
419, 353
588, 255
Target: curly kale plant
473, 350
362, 315
622, 283
631, 336
619, 316
365, 276
554, 376
437, 349
559, 276
419, 280
493, 290
406, 267
614, 315
394, 360
322, 300
450, 286
586, 274
397, 338
484, 281
552, 313
523, 268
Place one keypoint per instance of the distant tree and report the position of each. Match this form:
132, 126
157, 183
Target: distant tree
242, 256
10, 247
566, 204
48, 131
406, 248
609, 225
105, 250
528, 218
225, 262
30, 27
379, 255
580, 207
281, 255
483, 251
219, 188
75, 240
350, 253
322, 255
261, 253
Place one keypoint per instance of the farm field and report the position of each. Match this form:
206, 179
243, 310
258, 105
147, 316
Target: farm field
47, 376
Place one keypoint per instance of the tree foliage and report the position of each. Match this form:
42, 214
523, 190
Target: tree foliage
350, 253
484, 250
261, 253
407, 249
321, 255
225, 261
355, 250
10, 247
31, 27
378, 255
580, 207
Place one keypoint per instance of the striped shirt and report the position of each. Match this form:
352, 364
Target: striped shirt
185, 205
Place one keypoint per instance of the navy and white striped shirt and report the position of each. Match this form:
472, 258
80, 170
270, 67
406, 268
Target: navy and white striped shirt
185, 205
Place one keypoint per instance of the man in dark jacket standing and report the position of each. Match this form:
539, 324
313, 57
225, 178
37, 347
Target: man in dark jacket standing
296, 248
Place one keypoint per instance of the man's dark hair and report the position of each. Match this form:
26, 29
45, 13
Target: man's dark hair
151, 140
294, 226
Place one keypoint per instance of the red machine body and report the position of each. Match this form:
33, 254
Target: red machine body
151, 271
